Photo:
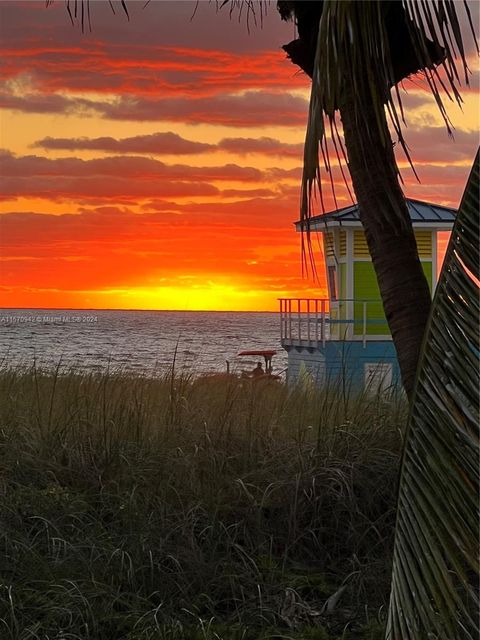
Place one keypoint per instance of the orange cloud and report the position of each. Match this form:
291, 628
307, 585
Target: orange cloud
129, 177
249, 109
143, 71
132, 230
167, 143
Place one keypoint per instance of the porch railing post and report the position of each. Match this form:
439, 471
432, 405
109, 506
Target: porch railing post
323, 323
299, 319
281, 319
290, 319
308, 319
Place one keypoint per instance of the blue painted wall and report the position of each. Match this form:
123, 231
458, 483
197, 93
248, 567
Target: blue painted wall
342, 361
348, 359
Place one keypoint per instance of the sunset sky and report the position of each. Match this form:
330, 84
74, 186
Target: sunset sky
155, 163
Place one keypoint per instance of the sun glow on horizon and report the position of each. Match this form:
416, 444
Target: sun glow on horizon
161, 169
210, 296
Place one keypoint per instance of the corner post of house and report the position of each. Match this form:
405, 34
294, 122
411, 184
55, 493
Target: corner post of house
434, 261
349, 278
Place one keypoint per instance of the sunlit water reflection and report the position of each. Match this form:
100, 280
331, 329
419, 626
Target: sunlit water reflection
140, 342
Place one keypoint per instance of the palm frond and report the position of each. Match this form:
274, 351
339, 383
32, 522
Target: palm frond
354, 47
435, 581
81, 11
249, 10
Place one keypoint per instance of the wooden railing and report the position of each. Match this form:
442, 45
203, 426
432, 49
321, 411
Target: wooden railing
303, 319
312, 321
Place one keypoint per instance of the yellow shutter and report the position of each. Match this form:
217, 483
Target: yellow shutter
329, 245
360, 248
424, 243
343, 242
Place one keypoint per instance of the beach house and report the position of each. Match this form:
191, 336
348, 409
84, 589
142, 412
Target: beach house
346, 336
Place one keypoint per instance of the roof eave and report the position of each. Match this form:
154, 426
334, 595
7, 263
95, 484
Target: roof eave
326, 225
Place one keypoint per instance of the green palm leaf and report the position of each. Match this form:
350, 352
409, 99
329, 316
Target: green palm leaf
435, 568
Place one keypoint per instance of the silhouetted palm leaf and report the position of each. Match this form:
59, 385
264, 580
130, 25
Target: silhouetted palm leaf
353, 39
435, 569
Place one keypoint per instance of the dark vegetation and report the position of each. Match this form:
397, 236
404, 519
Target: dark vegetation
187, 508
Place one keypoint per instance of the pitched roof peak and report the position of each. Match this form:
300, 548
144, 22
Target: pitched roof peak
420, 212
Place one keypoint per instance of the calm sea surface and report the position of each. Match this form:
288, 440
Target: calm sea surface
142, 342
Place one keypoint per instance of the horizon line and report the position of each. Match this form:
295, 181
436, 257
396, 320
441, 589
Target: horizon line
117, 309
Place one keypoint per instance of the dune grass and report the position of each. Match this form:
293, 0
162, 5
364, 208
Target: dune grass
193, 508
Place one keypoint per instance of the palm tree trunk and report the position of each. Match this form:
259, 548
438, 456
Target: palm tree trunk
389, 233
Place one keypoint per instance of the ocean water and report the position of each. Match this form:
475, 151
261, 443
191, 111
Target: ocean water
139, 342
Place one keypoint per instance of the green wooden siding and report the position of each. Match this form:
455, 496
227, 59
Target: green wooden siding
342, 293
366, 287
427, 270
